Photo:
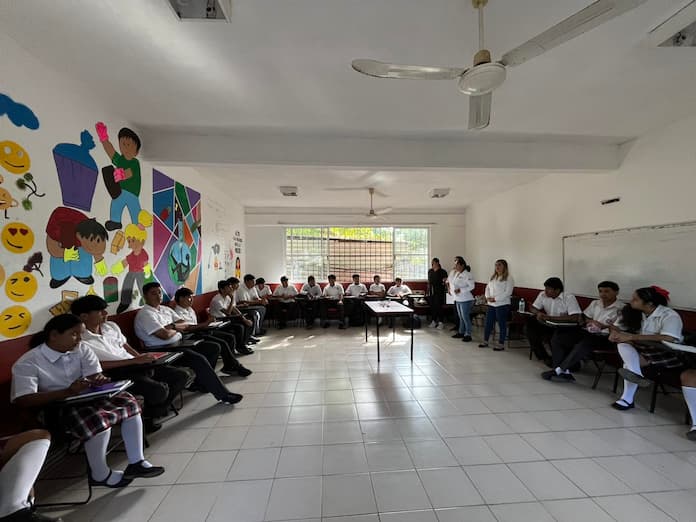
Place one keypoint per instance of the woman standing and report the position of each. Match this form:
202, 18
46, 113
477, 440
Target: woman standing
461, 284
498, 294
437, 278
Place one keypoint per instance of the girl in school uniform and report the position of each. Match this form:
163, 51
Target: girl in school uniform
498, 293
461, 284
645, 322
60, 366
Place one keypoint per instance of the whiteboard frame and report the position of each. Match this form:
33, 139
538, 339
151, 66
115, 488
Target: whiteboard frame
613, 231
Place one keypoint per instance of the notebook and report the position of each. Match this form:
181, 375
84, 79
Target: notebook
165, 357
104, 391
680, 347
218, 324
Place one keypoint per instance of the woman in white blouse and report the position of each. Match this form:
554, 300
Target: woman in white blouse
498, 293
461, 283
646, 320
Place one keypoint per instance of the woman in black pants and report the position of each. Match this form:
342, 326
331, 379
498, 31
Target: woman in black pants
437, 278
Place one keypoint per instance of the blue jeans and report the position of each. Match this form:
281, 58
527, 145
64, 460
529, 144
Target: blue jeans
499, 314
125, 200
464, 313
63, 269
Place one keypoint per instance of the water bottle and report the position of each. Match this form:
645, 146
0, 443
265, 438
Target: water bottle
521, 307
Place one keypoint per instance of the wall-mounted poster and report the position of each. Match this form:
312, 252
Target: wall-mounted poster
176, 235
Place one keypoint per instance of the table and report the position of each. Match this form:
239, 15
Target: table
386, 308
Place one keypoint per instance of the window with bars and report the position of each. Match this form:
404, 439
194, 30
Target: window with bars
388, 251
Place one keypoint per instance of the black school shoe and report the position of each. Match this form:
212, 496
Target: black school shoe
27, 515
138, 470
466, 339
245, 351
244, 372
551, 375
231, 398
457, 336
622, 405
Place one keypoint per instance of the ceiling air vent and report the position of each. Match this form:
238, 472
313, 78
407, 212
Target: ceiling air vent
679, 30
202, 9
439, 193
288, 192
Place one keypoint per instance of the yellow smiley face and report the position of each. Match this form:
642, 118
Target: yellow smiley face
17, 237
21, 286
13, 157
2, 274
14, 321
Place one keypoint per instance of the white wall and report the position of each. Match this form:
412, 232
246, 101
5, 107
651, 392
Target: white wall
525, 225
265, 238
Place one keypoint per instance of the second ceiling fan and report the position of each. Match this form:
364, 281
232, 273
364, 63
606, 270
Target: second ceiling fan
484, 76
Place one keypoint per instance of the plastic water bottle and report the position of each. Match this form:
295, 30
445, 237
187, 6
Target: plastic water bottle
521, 307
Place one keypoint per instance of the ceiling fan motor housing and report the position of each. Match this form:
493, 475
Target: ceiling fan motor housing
482, 78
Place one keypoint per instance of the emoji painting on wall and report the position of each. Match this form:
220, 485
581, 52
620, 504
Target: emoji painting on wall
75, 244
13, 158
14, 321
17, 237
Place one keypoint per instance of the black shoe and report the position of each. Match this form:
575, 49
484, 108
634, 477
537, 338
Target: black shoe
229, 371
341, 326
112, 225
55, 283
562, 377
691, 434
262, 331
457, 336
254, 340
151, 426
244, 372
325, 325
282, 325
484, 344
633, 377
310, 326
466, 339
231, 398
120, 484
245, 351
27, 515
548, 374
122, 308
499, 348
89, 280
138, 470
622, 405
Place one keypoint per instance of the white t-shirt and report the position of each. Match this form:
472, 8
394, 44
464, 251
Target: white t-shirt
501, 290
43, 369
377, 287
356, 290
333, 292
396, 291
246, 294
150, 319
663, 321
107, 346
219, 305
564, 304
463, 281
264, 292
312, 291
187, 314
287, 293
602, 314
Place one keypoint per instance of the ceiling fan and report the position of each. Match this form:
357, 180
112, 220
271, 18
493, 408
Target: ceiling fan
374, 214
480, 80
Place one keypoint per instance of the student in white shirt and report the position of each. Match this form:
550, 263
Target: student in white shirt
159, 327
377, 288
248, 300
284, 297
310, 305
224, 336
60, 366
354, 292
645, 322
461, 283
498, 294
569, 347
158, 385
262, 289
356, 288
223, 307
550, 305
333, 297
398, 289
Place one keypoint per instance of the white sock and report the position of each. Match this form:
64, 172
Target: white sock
22, 470
566, 371
132, 434
690, 398
558, 370
95, 449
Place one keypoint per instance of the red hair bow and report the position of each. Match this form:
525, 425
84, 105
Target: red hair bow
664, 293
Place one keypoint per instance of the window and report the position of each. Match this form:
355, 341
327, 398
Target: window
388, 251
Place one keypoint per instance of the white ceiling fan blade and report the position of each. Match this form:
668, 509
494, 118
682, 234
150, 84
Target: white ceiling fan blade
581, 22
480, 111
382, 211
352, 189
407, 72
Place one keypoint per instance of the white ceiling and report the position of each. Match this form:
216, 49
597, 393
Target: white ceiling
284, 66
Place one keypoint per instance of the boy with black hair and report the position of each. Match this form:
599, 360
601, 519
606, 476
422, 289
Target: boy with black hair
158, 385
248, 300
184, 307
222, 307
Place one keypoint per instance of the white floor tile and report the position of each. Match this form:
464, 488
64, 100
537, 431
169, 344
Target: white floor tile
465, 514
254, 464
632, 508
388, 456
264, 436
304, 434
399, 491
347, 495
526, 512
497, 484
132, 504
187, 502
470, 451
380, 430
207, 466
293, 498
592, 478
300, 461
430, 454
639, 477
512, 448
342, 432
545, 481
680, 505
449, 487
576, 510
344, 458
409, 516
675, 468
220, 439
244, 501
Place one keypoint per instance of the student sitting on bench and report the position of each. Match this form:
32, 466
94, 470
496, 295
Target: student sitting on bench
60, 366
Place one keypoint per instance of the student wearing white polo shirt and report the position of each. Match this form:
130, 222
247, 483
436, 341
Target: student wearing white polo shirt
262, 289
333, 297
550, 305
377, 288
247, 299
398, 289
356, 288
312, 291
461, 283
569, 347
354, 306
284, 296
498, 296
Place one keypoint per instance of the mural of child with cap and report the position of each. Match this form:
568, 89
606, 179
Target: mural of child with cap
137, 261
123, 182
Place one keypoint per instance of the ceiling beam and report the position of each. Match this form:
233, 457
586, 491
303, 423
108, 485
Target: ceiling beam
240, 148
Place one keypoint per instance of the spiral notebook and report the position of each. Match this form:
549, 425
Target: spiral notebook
104, 391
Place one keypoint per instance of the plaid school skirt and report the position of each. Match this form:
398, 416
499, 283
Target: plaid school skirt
658, 356
84, 421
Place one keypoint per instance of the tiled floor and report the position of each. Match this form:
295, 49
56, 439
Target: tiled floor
324, 433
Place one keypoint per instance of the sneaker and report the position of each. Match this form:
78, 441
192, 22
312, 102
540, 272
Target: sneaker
231, 398
244, 372
138, 470
457, 336
630, 376
441, 326
466, 339
433, 324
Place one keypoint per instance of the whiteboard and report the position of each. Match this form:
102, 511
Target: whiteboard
662, 255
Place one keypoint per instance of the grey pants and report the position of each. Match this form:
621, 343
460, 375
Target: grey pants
127, 289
